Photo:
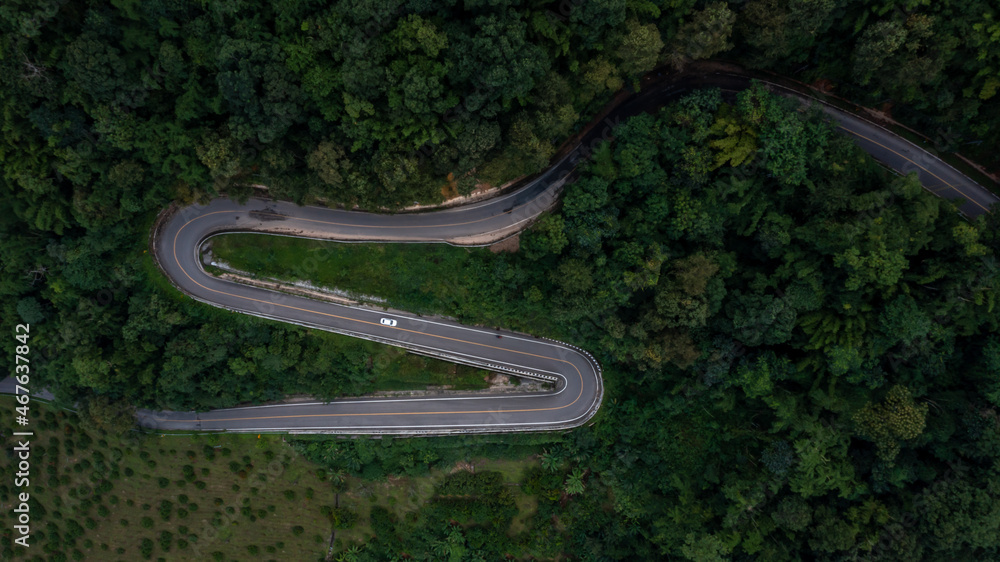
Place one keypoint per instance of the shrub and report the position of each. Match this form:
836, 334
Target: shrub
146, 522
298, 530
343, 518
162, 482
123, 522
166, 537
166, 507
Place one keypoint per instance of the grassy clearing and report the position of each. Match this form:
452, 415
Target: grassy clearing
222, 497
406, 371
406, 275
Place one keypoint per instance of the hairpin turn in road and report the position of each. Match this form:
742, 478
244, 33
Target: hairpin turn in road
181, 233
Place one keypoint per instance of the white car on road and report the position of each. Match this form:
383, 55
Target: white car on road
387, 322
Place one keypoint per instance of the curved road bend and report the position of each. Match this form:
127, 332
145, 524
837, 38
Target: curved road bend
579, 389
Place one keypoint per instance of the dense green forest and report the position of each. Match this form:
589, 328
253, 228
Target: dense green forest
800, 349
111, 111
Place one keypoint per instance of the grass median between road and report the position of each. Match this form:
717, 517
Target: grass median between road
405, 275
406, 371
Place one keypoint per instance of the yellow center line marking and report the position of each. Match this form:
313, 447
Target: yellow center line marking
962, 193
186, 274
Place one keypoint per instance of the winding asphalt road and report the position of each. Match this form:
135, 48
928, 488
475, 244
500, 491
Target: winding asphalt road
578, 386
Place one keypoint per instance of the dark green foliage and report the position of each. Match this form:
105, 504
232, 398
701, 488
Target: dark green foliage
413, 456
799, 349
474, 498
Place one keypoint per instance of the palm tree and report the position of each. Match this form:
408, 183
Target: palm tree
574, 482
550, 461
349, 555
